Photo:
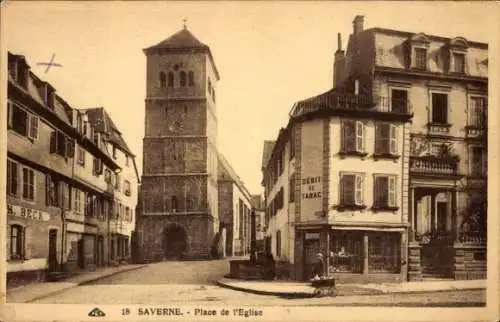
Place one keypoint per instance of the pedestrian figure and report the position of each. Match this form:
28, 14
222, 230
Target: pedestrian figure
319, 266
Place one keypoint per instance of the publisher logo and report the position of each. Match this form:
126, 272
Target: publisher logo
97, 312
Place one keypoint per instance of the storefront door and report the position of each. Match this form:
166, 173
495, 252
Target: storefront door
52, 250
311, 248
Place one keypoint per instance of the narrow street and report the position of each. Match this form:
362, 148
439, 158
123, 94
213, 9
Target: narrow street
193, 282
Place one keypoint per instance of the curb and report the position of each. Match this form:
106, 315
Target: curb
36, 298
247, 290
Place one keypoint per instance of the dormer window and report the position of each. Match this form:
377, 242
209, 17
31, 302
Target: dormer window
417, 55
22, 73
459, 63
420, 58
49, 96
457, 50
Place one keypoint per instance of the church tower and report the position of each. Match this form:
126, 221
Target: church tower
179, 217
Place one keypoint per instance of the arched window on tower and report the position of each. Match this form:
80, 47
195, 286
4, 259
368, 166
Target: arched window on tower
170, 79
183, 78
163, 80
191, 78
174, 204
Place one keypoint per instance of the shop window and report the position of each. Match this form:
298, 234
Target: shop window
383, 252
386, 140
439, 108
28, 184
17, 240
346, 252
12, 177
384, 192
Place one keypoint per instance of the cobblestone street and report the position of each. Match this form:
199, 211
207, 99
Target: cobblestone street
187, 283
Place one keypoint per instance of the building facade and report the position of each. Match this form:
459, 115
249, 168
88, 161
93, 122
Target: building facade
179, 212
386, 173
235, 204
446, 81
58, 201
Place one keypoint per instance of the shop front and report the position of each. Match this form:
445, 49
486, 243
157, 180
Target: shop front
353, 255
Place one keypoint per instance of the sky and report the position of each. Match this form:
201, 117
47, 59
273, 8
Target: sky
269, 55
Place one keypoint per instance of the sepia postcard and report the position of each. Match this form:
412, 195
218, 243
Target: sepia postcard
249, 161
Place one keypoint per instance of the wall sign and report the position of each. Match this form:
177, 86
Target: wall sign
27, 213
312, 236
311, 187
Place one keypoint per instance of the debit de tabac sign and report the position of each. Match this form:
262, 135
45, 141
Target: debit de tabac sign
27, 213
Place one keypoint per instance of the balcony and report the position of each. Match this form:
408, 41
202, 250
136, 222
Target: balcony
434, 165
344, 103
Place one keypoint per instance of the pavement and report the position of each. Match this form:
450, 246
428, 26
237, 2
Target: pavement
304, 289
32, 292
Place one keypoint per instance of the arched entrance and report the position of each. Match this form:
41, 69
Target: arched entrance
174, 241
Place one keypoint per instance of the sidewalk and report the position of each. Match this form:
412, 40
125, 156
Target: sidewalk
304, 289
32, 292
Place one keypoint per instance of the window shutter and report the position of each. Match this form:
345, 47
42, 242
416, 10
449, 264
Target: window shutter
48, 188
359, 190
392, 191
33, 127
10, 110
360, 137
70, 148
393, 139
53, 142
348, 189
378, 138
381, 191
27, 244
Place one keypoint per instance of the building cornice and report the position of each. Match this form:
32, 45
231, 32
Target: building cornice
429, 75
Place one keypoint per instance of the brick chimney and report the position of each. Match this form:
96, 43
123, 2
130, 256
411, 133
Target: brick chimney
357, 24
339, 64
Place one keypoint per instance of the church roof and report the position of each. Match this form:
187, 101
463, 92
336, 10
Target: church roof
183, 39
183, 42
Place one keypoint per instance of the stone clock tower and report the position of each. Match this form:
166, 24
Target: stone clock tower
178, 216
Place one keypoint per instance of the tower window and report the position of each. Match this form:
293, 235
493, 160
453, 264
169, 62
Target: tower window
170, 79
183, 78
163, 80
191, 78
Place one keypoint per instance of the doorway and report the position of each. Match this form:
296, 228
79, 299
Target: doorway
311, 248
52, 250
442, 212
174, 241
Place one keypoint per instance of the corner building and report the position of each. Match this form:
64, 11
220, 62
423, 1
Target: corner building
179, 211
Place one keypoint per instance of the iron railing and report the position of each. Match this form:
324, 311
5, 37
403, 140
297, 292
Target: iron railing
352, 102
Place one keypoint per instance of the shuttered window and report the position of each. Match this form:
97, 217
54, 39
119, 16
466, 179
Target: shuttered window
12, 178
28, 184
439, 108
384, 191
386, 138
353, 136
16, 242
351, 188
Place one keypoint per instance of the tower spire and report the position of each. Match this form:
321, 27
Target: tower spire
184, 21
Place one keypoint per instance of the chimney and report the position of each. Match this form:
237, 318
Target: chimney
357, 24
339, 64
339, 42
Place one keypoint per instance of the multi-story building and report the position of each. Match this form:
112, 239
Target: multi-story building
179, 215
87, 221
386, 171
446, 81
125, 184
235, 204
58, 199
335, 184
